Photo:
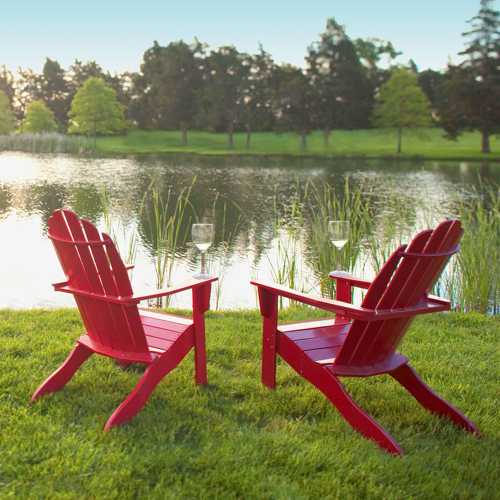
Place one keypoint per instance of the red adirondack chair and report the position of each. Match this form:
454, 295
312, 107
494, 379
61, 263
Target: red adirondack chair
362, 340
115, 327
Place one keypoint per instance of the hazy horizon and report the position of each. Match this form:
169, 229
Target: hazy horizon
116, 34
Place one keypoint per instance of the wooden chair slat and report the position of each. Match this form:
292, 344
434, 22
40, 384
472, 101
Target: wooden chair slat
72, 266
128, 334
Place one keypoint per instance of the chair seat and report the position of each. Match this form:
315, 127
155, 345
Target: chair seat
319, 340
162, 330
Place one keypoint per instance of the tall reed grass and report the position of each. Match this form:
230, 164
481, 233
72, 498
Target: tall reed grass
49, 142
326, 203
226, 234
285, 255
168, 219
123, 235
473, 280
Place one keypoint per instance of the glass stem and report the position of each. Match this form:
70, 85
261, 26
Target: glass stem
203, 263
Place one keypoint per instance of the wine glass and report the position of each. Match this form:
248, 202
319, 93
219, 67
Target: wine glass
203, 237
338, 231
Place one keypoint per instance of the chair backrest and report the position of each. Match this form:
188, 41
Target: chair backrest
404, 281
91, 263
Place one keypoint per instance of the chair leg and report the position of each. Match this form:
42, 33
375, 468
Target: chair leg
269, 353
200, 351
63, 374
150, 379
409, 379
359, 420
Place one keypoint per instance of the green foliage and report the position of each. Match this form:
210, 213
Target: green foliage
95, 110
7, 122
39, 118
295, 102
172, 77
226, 78
234, 439
402, 104
473, 89
343, 92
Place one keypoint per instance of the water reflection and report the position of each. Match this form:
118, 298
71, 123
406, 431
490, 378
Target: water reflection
243, 196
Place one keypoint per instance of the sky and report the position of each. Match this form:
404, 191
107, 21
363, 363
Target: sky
116, 33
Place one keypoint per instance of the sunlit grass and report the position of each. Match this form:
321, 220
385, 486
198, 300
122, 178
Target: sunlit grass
428, 143
234, 438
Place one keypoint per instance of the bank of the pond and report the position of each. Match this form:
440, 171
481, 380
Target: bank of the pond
424, 144
235, 439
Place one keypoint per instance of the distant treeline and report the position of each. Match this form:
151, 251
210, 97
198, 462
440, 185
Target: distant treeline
190, 86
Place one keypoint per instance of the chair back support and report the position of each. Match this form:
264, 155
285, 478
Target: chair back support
404, 281
91, 263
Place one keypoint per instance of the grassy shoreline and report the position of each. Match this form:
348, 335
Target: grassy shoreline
427, 144
234, 439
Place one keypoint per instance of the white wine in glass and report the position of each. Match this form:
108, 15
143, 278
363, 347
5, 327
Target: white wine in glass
338, 232
203, 237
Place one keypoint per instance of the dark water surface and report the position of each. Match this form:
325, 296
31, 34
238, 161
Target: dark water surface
246, 193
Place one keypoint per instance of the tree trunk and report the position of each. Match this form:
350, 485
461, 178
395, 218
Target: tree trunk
485, 141
303, 142
400, 140
326, 137
230, 139
249, 137
184, 139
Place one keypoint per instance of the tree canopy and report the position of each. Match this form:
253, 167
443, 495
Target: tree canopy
39, 118
473, 88
7, 121
343, 94
402, 104
95, 110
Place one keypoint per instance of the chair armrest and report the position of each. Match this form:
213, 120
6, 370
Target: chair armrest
191, 284
134, 299
430, 305
337, 306
351, 280
59, 285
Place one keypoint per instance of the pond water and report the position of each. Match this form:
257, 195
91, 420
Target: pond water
243, 196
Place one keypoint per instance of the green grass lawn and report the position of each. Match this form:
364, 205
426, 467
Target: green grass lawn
235, 439
428, 143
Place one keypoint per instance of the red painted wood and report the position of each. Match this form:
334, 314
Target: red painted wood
409, 379
321, 351
115, 327
153, 375
268, 303
63, 374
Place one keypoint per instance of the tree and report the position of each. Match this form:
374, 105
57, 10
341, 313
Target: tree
95, 110
225, 80
55, 91
294, 102
402, 104
373, 50
39, 118
7, 122
473, 88
257, 113
431, 83
170, 84
7, 84
344, 95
